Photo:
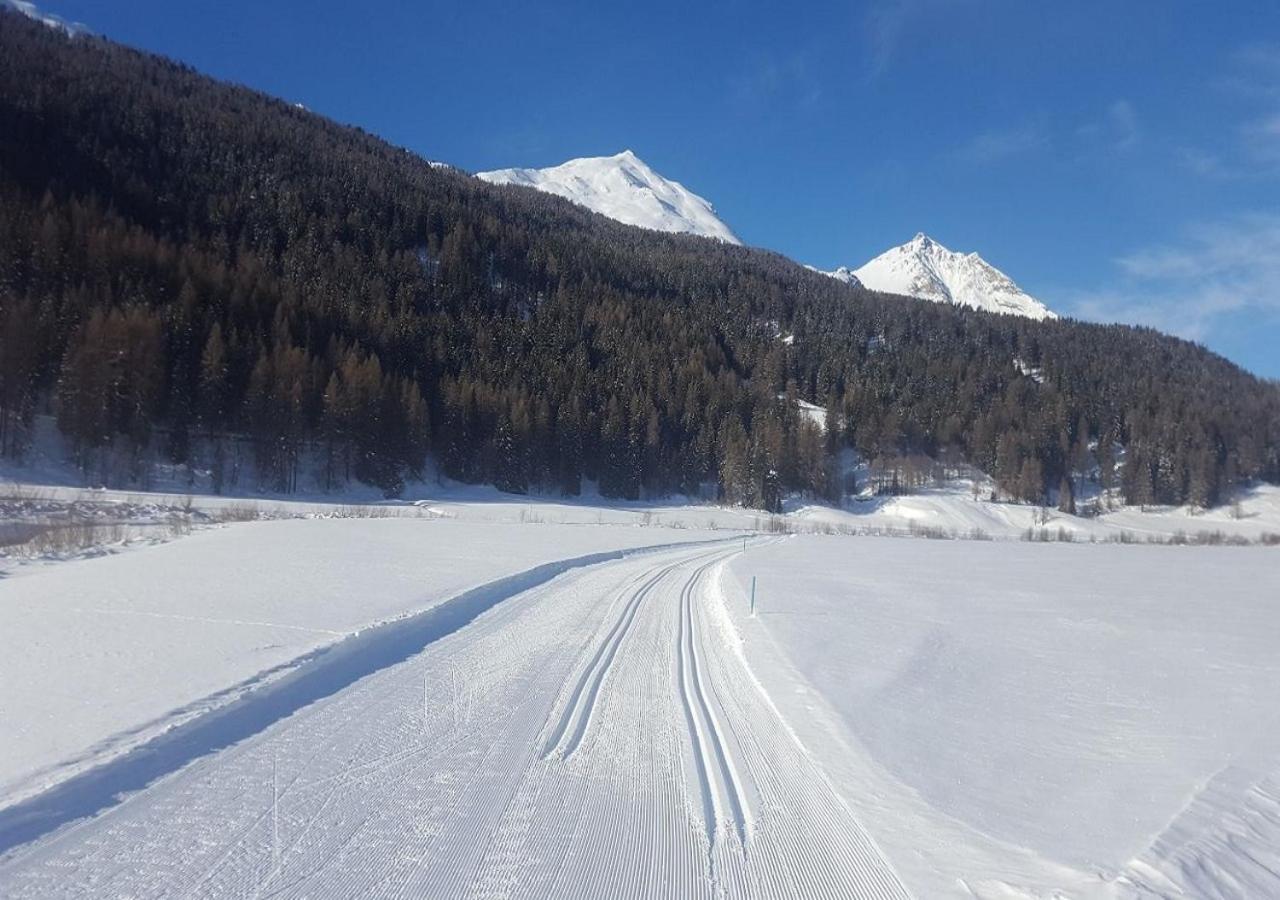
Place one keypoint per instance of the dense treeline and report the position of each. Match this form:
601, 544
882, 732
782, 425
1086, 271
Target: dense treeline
185, 265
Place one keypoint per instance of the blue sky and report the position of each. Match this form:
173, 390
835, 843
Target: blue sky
1121, 161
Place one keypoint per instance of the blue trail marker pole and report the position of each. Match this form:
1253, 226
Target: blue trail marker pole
753, 595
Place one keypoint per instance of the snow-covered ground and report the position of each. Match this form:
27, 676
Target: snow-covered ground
462, 687
464, 692
949, 512
899, 717
98, 655
1029, 719
953, 512
592, 736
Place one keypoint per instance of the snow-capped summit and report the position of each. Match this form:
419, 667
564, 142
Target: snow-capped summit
623, 187
924, 268
31, 11
845, 274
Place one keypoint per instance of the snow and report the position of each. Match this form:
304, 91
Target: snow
1035, 373
31, 11
1020, 720
813, 413
99, 654
951, 511
591, 736
484, 694
924, 268
845, 274
624, 188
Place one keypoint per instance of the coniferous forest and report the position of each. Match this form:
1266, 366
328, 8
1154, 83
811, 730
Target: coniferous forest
188, 267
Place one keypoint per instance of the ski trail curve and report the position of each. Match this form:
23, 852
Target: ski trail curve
615, 745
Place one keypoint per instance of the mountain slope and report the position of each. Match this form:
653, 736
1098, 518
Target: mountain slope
192, 273
624, 188
924, 268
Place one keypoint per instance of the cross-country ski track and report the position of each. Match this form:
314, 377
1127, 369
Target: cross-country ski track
596, 735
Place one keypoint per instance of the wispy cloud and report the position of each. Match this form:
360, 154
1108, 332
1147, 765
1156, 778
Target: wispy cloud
1116, 130
1261, 140
778, 79
1001, 144
1123, 124
1203, 162
1252, 148
1254, 72
888, 23
1188, 287
884, 26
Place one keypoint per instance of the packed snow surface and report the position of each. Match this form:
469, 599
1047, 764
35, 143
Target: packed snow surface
475, 697
924, 268
624, 188
1034, 720
99, 654
593, 736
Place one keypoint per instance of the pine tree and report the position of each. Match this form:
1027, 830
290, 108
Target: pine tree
1066, 496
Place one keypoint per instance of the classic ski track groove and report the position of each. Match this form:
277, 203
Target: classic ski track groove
720, 786
580, 709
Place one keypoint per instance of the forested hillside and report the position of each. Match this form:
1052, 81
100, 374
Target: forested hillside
187, 265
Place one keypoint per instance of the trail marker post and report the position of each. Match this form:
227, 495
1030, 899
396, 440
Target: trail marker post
753, 596
275, 814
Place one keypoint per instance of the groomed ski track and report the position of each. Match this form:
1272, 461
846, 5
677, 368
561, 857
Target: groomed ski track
594, 736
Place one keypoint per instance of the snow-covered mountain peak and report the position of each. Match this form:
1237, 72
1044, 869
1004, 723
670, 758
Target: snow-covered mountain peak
623, 187
924, 268
31, 11
845, 274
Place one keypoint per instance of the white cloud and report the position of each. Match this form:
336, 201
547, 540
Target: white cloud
778, 79
1251, 148
1116, 130
887, 24
1261, 139
1255, 72
1202, 162
1123, 122
1000, 144
1186, 288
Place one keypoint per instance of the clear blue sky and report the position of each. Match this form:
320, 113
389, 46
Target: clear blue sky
1120, 160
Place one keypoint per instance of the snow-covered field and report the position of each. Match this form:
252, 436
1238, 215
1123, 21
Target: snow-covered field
476, 694
1025, 719
99, 654
952, 512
